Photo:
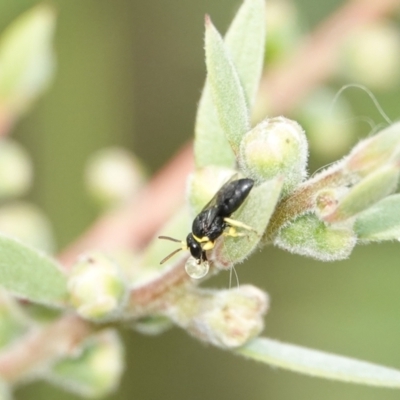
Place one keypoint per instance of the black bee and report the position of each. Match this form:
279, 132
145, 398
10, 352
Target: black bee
214, 220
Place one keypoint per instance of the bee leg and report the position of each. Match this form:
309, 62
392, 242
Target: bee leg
237, 224
208, 245
232, 232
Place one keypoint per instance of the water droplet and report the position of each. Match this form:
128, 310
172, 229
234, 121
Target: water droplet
196, 270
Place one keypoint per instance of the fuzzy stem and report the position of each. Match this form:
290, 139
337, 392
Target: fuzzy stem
302, 199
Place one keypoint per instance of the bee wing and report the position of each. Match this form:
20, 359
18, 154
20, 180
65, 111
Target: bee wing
220, 194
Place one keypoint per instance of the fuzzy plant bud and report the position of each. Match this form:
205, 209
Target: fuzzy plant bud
113, 176
275, 147
366, 193
98, 289
379, 40
27, 223
283, 29
327, 200
375, 151
15, 169
329, 123
224, 318
95, 371
235, 317
309, 236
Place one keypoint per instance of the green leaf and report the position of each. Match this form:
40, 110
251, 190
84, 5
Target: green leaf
26, 58
381, 221
366, 193
226, 89
30, 274
245, 42
211, 146
319, 364
256, 213
309, 236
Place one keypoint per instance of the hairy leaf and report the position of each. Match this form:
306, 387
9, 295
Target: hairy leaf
245, 42
319, 364
381, 221
30, 274
255, 213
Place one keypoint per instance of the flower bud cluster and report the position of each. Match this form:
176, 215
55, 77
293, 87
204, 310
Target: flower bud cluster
275, 147
97, 287
113, 176
15, 169
369, 174
224, 318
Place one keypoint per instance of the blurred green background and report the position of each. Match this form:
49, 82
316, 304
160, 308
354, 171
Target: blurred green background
130, 73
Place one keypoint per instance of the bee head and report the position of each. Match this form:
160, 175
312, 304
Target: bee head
195, 247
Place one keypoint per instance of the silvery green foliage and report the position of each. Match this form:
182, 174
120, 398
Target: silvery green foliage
322, 217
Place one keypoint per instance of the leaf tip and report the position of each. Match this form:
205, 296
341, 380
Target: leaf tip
207, 21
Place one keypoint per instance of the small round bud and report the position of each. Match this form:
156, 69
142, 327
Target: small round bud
378, 41
113, 176
27, 223
275, 147
96, 370
283, 29
195, 269
329, 124
224, 318
236, 316
98, 290
327, 200
15, 169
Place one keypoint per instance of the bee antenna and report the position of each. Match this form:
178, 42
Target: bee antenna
170, 255
169, 238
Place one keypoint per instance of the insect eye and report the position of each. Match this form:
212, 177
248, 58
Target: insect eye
195, 247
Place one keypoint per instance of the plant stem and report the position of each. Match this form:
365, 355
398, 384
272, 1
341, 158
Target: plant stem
42, 346
303, 199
